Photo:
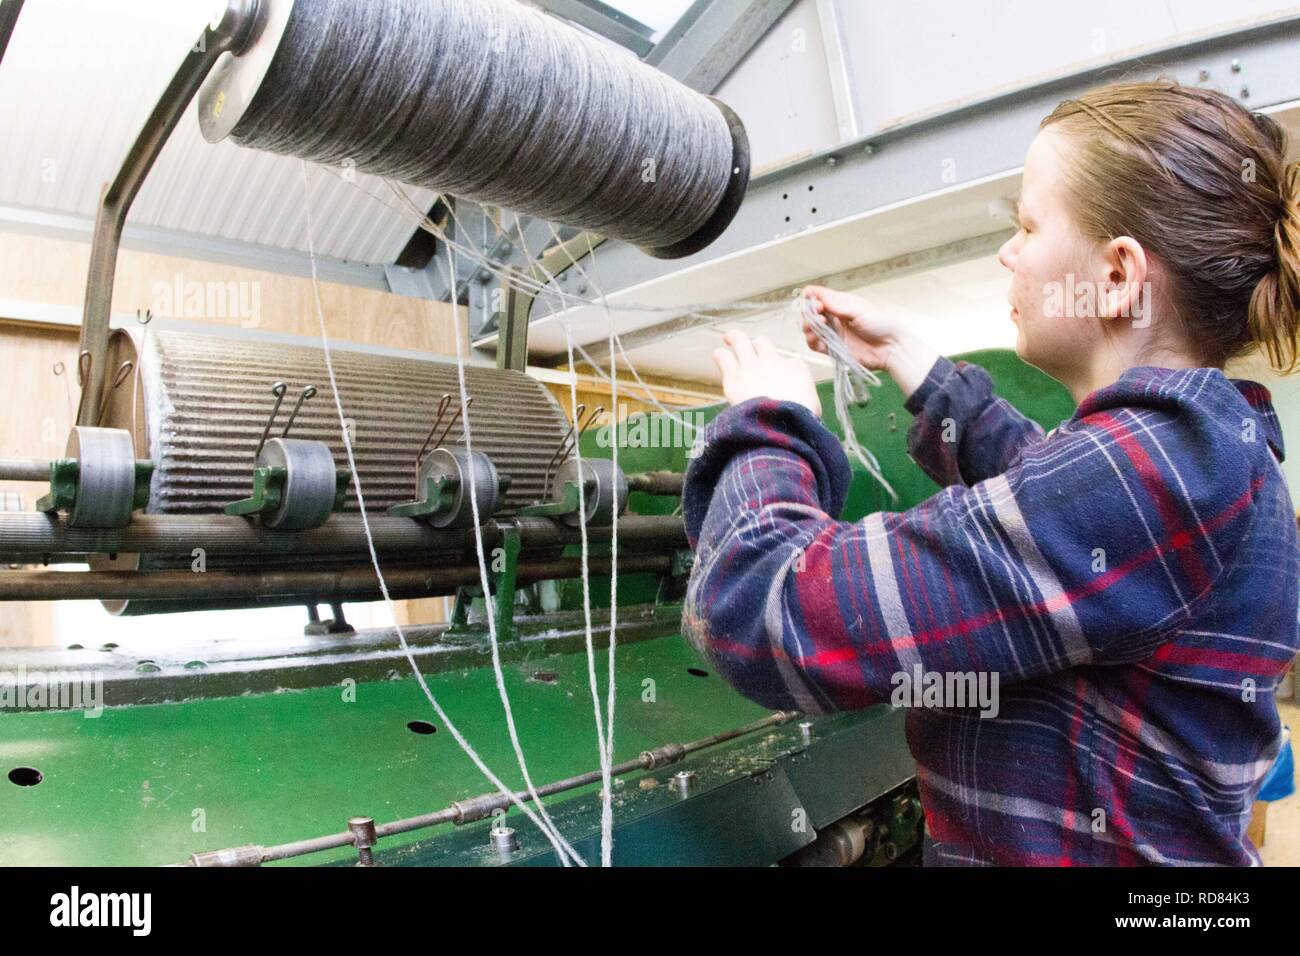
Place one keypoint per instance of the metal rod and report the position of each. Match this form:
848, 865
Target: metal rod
24, 469
657, 483
484, 804
41, 536
289, 587
230, 32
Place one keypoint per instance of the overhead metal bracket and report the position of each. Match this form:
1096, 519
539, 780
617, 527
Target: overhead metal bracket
512, 352
602, 19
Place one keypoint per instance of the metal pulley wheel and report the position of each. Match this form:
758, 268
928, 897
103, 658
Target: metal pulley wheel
455, 464
105, 496
605, 493
310, 483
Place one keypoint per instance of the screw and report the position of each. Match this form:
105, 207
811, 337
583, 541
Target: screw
364, 837
1236, 66
682, 780
1204, 74
504, 840
806, 729
1245, 92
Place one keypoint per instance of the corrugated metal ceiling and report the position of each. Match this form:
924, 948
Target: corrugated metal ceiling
77, 82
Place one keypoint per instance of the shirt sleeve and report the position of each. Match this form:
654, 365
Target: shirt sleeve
962, 432
1092, 549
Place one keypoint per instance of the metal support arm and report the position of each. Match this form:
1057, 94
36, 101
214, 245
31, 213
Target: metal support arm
229, 33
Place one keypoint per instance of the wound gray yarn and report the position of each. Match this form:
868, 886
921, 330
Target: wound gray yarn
493, 101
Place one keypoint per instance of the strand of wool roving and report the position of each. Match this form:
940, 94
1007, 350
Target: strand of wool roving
852, 382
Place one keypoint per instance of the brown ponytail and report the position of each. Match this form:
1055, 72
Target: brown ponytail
1275, 304
1201, 182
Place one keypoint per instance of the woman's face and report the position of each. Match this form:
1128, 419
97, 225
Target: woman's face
1055, 318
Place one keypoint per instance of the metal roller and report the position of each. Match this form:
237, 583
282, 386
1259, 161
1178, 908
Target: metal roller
604, 495
482, 477
105, 477
202, 405
309, 483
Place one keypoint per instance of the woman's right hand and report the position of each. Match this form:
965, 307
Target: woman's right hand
874, 338
866, 330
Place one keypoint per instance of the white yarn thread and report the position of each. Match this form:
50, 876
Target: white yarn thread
607, 803
603, 745
488, 604
562, 849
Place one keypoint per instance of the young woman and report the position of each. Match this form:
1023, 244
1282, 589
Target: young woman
1129, 581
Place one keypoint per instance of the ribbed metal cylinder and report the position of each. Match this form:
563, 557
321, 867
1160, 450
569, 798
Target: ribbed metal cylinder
206, 401
201, 403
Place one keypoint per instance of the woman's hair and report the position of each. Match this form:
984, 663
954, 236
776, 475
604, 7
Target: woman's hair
1202, 183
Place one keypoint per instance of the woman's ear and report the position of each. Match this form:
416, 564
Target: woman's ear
1126, 292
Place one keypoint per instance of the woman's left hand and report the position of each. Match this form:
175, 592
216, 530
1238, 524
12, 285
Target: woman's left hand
754, 369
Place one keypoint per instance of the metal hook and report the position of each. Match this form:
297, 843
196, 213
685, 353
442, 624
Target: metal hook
442, 410
599, 410
278, 390
308, 391
560, 450
566, 447
84, 363
123, 373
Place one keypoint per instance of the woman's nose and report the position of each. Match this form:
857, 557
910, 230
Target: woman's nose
1007, 254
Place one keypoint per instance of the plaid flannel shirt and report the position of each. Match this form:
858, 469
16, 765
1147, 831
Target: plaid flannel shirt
1129, 580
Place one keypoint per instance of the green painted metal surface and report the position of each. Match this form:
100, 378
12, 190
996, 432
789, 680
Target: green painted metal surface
131, 786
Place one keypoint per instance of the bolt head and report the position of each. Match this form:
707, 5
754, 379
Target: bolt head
504, 839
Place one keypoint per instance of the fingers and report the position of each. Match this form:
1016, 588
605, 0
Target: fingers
741, 346
842, 304
764, 348
725, 360
813, 340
